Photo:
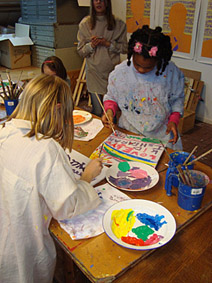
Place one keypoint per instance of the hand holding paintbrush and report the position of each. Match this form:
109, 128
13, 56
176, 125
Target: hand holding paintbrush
108, 118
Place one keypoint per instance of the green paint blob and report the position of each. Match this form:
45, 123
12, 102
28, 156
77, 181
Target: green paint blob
142, 232
129, 215
124, 166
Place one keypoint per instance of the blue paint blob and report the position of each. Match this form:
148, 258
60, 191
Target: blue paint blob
151, 221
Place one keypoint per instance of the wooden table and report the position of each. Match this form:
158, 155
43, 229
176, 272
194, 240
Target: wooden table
101, 260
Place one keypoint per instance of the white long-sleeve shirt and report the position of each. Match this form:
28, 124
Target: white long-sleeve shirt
36, 184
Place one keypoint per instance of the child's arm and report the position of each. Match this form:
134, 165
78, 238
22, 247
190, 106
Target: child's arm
93, 169
176, 102
64, 195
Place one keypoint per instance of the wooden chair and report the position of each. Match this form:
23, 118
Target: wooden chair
193, 89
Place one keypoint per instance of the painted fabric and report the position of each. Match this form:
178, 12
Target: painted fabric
146, 100
101, 60
36, 184
89, 224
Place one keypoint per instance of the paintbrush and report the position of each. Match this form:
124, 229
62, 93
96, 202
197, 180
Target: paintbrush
204, 154
166, 151
3, 88
181, 173
187, 159
10, 84
17, 84
190, 177
100, 152
105, 113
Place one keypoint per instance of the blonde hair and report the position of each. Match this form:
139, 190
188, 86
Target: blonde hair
47, 103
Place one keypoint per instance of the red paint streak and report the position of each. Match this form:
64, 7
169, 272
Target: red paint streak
154, 239
115, 222
70, 249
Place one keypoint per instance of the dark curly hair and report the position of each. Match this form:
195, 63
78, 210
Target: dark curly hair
148, 38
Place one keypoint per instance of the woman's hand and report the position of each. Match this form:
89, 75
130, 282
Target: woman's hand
171, 127
93, 169
95, 41
105, 43
105, 120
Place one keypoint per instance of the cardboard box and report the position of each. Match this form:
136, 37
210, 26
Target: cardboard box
14, 48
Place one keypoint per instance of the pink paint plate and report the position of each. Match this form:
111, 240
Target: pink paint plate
149, 224
132, 176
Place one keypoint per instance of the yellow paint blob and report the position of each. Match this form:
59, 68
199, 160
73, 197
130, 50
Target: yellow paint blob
45, 217
122, 222
143, 99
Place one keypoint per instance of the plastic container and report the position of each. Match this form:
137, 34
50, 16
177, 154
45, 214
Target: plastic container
190, 197
10, 106
177, 157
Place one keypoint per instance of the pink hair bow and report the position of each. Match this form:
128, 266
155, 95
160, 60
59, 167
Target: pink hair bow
138, 47
153, 51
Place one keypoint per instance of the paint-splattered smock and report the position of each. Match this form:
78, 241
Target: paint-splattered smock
146, 100
101, 60
36, 184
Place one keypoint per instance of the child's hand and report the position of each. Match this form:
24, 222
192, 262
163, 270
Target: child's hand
93, 169
171, 127
105, 120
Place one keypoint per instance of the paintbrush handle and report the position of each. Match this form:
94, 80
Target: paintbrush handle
3, 88
166, 151
10, 83
187, 159
100, 152
105, 113
204, 154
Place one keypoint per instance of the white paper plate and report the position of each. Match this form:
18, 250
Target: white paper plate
132, 180
165, 232
86, 116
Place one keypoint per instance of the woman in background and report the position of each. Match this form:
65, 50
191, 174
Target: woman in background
101, 40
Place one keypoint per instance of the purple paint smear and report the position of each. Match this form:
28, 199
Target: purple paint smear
131, 184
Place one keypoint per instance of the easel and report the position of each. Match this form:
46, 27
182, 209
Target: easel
81, 81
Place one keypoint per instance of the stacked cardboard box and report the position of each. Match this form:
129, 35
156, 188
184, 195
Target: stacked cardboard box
15, 48
54, 27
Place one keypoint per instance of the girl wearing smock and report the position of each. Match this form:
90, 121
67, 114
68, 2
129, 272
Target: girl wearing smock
37, 181
147, 88
101, 39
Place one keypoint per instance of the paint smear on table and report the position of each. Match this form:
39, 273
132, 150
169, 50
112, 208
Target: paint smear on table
123, 220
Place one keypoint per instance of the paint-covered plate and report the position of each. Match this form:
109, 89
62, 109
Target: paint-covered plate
80, 117
139, 224
132, 176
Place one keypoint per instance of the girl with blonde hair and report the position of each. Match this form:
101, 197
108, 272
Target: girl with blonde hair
36, 180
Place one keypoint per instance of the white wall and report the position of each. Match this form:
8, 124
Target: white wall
204, 109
